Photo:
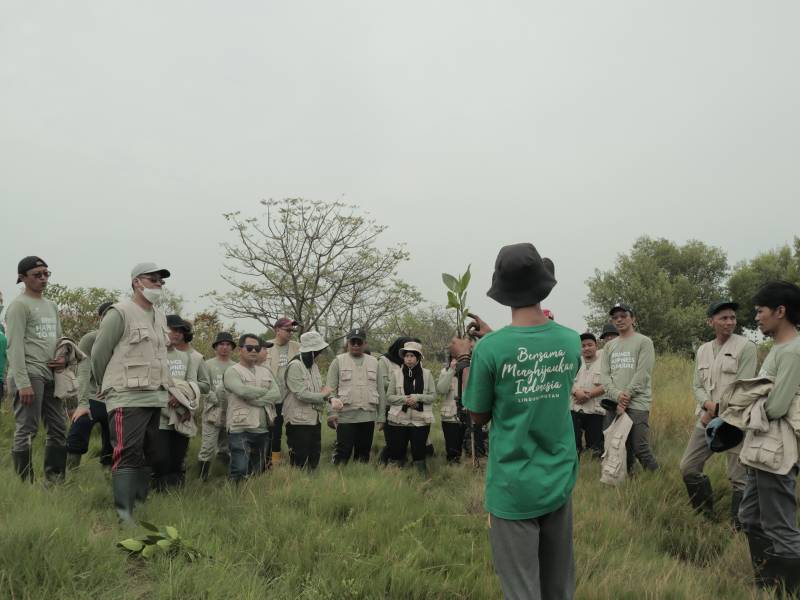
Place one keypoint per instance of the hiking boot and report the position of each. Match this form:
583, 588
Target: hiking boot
701, 495
22, 464
55, 463
73, 461
785, 571
736, 500
759, 545
124, 483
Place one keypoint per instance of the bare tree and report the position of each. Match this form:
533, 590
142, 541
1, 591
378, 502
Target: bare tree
313, 261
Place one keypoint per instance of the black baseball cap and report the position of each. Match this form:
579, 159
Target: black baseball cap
608, 329
588, 335
357, 334
719, 305
621, 306
28, 263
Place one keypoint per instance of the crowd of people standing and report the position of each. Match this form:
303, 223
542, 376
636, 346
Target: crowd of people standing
548, 392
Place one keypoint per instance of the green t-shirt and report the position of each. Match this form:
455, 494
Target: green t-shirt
782, 363
523, 376
216, 369
33, 332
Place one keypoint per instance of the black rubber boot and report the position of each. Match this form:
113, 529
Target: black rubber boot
22, 464
205, 469
124, 483
759, 545
55, 463
785, 573
143, 482
422, 467
73, 461
736, 500
701, 495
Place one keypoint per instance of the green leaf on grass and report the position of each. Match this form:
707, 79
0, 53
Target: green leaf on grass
131, 545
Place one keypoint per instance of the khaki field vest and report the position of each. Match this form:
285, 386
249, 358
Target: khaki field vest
717, 373
139, 361
242, 415
297, 412
411, 416
448, 411
275, 361
589, 376
358, 386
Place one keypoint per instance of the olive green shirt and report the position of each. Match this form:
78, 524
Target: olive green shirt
296, 383
628, 367
216, 369
87, 386
783, 364
33, 332
108, 336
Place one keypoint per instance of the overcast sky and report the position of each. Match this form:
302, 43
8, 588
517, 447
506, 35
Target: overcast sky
127, 129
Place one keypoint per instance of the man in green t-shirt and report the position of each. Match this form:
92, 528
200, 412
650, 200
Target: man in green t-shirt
768, 511
626, 374
521, 378
33, 331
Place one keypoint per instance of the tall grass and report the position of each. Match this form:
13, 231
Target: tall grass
364, 532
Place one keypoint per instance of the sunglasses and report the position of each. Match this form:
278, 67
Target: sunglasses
41, 274
252, 348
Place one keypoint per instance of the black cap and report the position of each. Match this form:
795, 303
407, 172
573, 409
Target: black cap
588, 335
357, 334
28, 263
101, 310
223, 336
621, 306
608, 329
175, 322
718, 305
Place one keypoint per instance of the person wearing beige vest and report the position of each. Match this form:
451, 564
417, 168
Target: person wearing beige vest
587, 392
214, 436
391, 362
129, 358
718, 364
284, 349
251, 392
356, 379
305, 399
449, 411
410, 397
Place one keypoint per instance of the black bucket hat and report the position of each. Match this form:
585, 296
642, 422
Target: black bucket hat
722, 436
521, 276
223, 336
608, 329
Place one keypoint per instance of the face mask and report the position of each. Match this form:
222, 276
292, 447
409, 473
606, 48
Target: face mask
153, 295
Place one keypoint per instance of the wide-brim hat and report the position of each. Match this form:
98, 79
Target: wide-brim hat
722, 436
414, 347
521, 276
223, 336
608, 329
312, 341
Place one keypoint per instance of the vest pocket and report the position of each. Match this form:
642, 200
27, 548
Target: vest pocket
137, 375
763, 450
448, 409
240, 416
138, 335
730, 364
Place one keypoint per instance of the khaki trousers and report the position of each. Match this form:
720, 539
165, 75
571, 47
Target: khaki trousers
697, 453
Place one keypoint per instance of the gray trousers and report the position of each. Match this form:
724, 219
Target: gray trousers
533, 557
638, 444
214, 438
45, 407
769, 509
697, 454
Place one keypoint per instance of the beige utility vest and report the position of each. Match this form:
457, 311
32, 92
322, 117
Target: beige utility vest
449, 408
295, 411
589, 376
275, 363
716, 373
358, 385
139, 361
242, 415
411, 416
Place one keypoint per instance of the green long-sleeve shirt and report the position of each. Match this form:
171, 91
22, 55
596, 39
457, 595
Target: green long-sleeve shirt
216, 369
253, 395
359, 415
627, 367
3, 350
87, 387
109, 334
33, 331
783, 364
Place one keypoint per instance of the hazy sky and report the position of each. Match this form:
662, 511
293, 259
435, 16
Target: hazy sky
127, 129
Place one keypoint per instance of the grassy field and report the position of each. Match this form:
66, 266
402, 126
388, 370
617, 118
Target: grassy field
363, 532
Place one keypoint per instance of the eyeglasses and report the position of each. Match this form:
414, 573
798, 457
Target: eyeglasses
41, 274
153, 279
252, 348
